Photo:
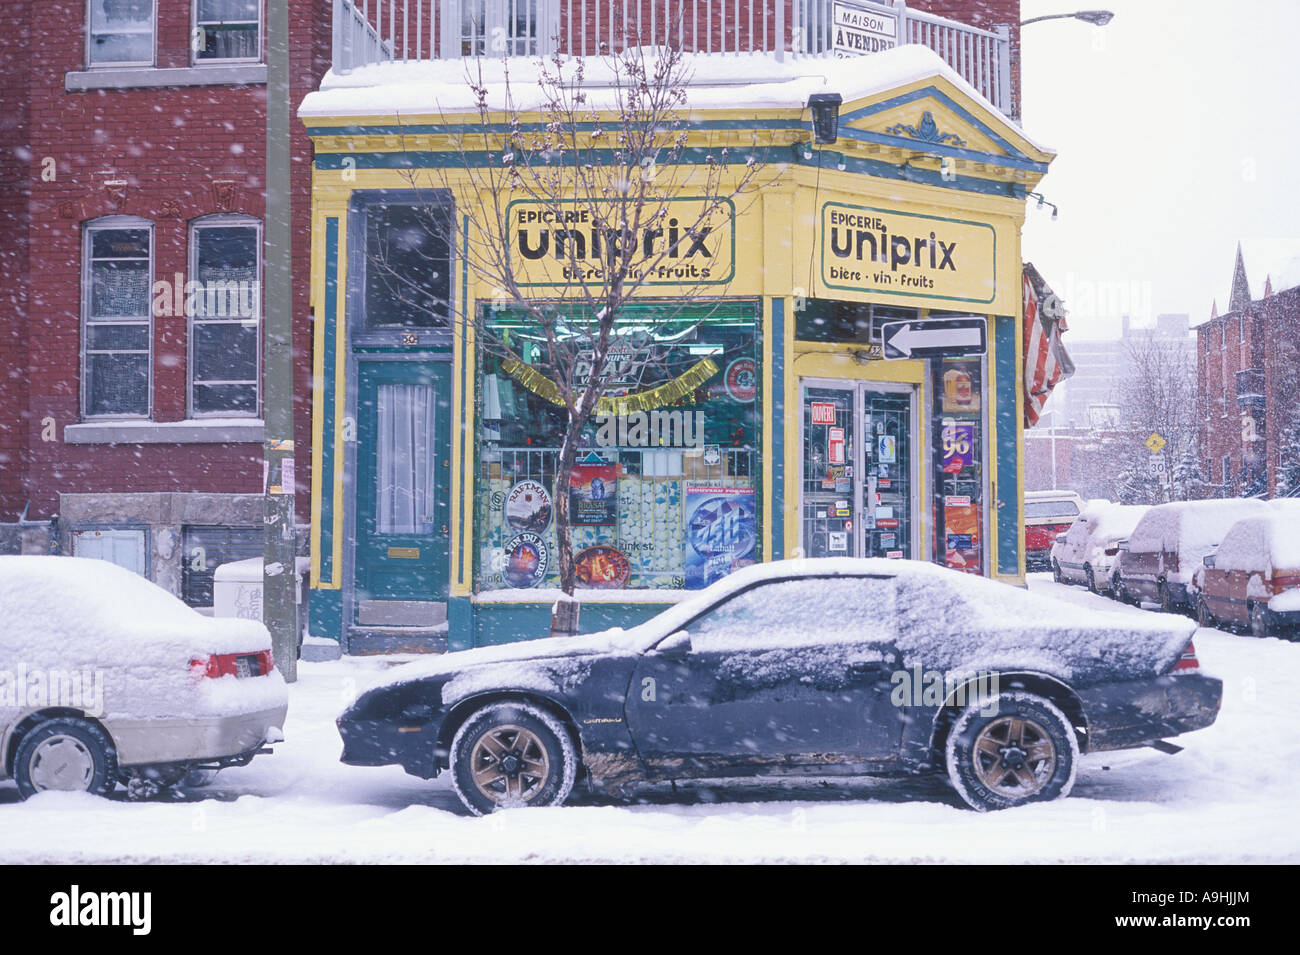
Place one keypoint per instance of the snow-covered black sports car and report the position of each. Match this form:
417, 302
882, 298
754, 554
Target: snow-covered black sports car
810, 668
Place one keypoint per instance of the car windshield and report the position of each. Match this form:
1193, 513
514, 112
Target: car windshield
1062, 509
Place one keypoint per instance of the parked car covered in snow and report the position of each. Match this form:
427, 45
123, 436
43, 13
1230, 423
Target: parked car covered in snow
1168, 545
826, 667
1047, 513
1253, 580
106, 678
1089, 551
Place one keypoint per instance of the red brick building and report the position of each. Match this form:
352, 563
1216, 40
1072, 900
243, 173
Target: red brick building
133, 165
1248, 360
130, 245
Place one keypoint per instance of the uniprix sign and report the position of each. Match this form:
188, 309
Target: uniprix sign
870, 251
555, 245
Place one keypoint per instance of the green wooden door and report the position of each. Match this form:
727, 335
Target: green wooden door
403, 480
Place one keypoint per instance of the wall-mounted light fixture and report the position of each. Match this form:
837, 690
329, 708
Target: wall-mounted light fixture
1043, 202
825, 117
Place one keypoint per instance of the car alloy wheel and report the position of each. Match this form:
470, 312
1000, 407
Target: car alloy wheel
1024, 752
65, 755
512, 754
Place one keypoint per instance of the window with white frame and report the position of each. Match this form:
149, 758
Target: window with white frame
120, 32
504, 27
117, 330
224, 303
1241, 326
1227, 469
227, 30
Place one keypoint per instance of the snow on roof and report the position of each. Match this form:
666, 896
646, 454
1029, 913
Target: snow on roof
1263, 542
732, 81
1112, 521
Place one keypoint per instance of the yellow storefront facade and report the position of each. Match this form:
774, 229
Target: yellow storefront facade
792, 412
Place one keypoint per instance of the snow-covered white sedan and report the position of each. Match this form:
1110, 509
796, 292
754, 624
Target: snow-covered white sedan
107, 678
1088, 552
828, 667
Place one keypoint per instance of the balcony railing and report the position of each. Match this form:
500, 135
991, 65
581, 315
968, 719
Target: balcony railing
378, 31
1250, 387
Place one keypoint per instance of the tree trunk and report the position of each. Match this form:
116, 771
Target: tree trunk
564, 616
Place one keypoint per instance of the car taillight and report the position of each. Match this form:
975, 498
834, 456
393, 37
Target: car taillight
1187, 661
1111, 551
239, 665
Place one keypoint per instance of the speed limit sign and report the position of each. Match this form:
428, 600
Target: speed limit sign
1156, 466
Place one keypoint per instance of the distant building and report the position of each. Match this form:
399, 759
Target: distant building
1248, 360
1060, 452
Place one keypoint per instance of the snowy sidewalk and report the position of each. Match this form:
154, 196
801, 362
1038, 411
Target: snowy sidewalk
1230, 797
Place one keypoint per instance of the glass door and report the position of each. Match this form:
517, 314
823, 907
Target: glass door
829, 468
887, 481
859, 495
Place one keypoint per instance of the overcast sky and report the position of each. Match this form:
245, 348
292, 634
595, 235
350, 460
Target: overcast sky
1177, 134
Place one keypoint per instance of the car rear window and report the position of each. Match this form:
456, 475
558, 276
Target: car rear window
1051, 509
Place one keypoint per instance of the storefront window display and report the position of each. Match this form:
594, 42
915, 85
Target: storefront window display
664, 492
957, 387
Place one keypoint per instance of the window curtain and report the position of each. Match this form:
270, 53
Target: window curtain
405, 471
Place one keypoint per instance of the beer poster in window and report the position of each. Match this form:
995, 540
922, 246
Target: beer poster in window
721, 533
593, 495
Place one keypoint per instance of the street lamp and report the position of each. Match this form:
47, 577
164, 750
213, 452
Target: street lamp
1098, 18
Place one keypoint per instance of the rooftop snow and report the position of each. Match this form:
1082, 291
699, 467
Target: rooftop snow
716, 81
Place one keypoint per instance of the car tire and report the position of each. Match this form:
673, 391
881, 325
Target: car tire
1164, 598
1260, 622
1056, 572
1203, 616
1092, 580
522, 755
65, 754
1117, 588
1024, 752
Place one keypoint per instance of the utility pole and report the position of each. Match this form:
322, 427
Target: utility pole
279, 577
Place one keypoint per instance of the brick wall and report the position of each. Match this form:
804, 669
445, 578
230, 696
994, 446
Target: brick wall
185, 152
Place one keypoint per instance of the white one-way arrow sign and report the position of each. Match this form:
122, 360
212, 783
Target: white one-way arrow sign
935, 338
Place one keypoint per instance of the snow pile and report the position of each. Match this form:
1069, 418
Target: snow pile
1190, 530
1260, 544
93, 617
746, 80
1112, 523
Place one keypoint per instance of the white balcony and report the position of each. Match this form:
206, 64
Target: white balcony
377, 31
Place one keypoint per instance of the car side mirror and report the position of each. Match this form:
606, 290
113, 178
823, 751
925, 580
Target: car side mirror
1060, 538
675, 647
1122, 545
1208, 560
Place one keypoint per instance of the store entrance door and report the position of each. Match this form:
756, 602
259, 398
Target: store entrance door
403, 478
859, 476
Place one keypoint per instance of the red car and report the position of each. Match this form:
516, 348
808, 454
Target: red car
1253, 580
1047, 513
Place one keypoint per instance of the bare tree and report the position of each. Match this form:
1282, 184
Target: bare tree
596, 167
1156, 396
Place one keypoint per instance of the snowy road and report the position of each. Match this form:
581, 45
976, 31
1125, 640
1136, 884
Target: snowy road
1230, 797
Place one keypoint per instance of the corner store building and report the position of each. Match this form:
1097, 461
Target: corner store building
812, 443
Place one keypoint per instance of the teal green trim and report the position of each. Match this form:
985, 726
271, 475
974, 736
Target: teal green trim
933, 92
1008, 472
468, 417
776, 390
509, 623
330, 362
460, 623
325, 613
912, 215
334, 162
